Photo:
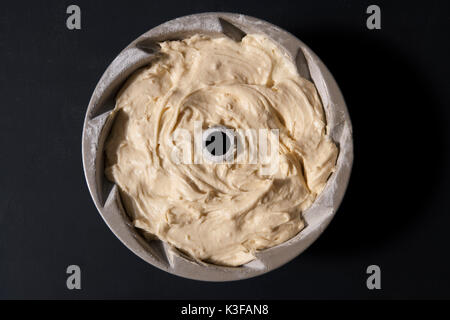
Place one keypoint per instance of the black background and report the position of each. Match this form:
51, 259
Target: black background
395, 213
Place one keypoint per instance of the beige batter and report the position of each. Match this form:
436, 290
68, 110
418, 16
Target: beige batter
218, 212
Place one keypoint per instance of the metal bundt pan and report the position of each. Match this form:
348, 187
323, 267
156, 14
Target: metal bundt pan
97, 125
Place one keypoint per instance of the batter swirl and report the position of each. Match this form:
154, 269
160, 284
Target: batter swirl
221, 213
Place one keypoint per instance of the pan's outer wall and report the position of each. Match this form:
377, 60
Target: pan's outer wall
97, 124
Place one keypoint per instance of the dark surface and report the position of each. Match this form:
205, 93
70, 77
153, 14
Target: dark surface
396, 210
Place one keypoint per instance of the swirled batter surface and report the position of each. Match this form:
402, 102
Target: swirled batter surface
218, 212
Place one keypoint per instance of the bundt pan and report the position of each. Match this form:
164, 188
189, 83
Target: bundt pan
97, 125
